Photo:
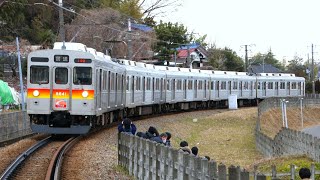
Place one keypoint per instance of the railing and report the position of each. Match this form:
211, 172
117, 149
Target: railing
146, 159
287, 141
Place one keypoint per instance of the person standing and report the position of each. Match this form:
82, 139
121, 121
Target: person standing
127, 126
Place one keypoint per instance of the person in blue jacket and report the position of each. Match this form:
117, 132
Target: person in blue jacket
127, 126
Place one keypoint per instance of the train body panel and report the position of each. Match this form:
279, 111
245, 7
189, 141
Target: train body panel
74, 89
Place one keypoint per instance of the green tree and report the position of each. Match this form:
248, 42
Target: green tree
131, 8
296, 67
170, 36
12, 19
267, 58
225, 59
200, 40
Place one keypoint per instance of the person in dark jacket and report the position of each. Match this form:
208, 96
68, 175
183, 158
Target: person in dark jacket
152, 132
195, 150
160, 139
305, 173
184, 146
168, 142
127, 126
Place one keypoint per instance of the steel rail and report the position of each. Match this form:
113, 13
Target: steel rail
54, 169
21, 158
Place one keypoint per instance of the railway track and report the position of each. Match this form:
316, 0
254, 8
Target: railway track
41, 161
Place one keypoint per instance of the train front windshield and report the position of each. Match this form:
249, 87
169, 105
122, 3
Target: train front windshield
39, 74
82, 76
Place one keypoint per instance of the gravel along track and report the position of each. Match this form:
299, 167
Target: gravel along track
35, 167
9, 153
95, 157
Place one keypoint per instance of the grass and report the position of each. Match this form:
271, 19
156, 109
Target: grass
228, 138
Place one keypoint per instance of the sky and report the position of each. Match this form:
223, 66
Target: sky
288, 27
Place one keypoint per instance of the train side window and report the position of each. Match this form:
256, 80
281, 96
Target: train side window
200, 85
157, 84
190, 84
82, 76
293, 85
61, 75
223, 85
270, 85
127, 83
112, 80
282, 85
288, 85
246, 85
148, 83
259, 85
235, 85
168, 84
264, 84
104, 81
39, 74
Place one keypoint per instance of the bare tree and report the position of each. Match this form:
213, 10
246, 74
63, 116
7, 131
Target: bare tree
95, 28
154, 8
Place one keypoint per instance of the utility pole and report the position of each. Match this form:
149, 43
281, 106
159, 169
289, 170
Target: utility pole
20, 75
246, 64
175, 59
61, 20
312, 70
246, 58
129, 40
188, 56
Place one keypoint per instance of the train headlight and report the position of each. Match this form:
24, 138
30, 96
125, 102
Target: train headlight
85, 94
36, 93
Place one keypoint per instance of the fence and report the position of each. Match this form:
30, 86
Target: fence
145, 159
287, 141
14, 125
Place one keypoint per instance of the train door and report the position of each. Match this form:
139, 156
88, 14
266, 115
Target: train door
251, 84
276, 88
116, 89
205, 89
218, 88
109, 87
288, 89
240, 87
122, 88
173, 89
195, 88
185, 89
144, 89
132, 89
153, 89
161, 88
61, 88
264, 89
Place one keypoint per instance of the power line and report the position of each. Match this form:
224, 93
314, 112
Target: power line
94, 22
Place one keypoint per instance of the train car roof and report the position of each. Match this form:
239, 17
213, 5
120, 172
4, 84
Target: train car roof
70, 46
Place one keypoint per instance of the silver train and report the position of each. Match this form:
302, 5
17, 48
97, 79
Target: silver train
75, 89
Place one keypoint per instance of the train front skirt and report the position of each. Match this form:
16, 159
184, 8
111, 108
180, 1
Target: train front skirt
73, 129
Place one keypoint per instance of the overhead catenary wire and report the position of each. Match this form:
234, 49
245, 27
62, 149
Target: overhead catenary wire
118, 30
96, 23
